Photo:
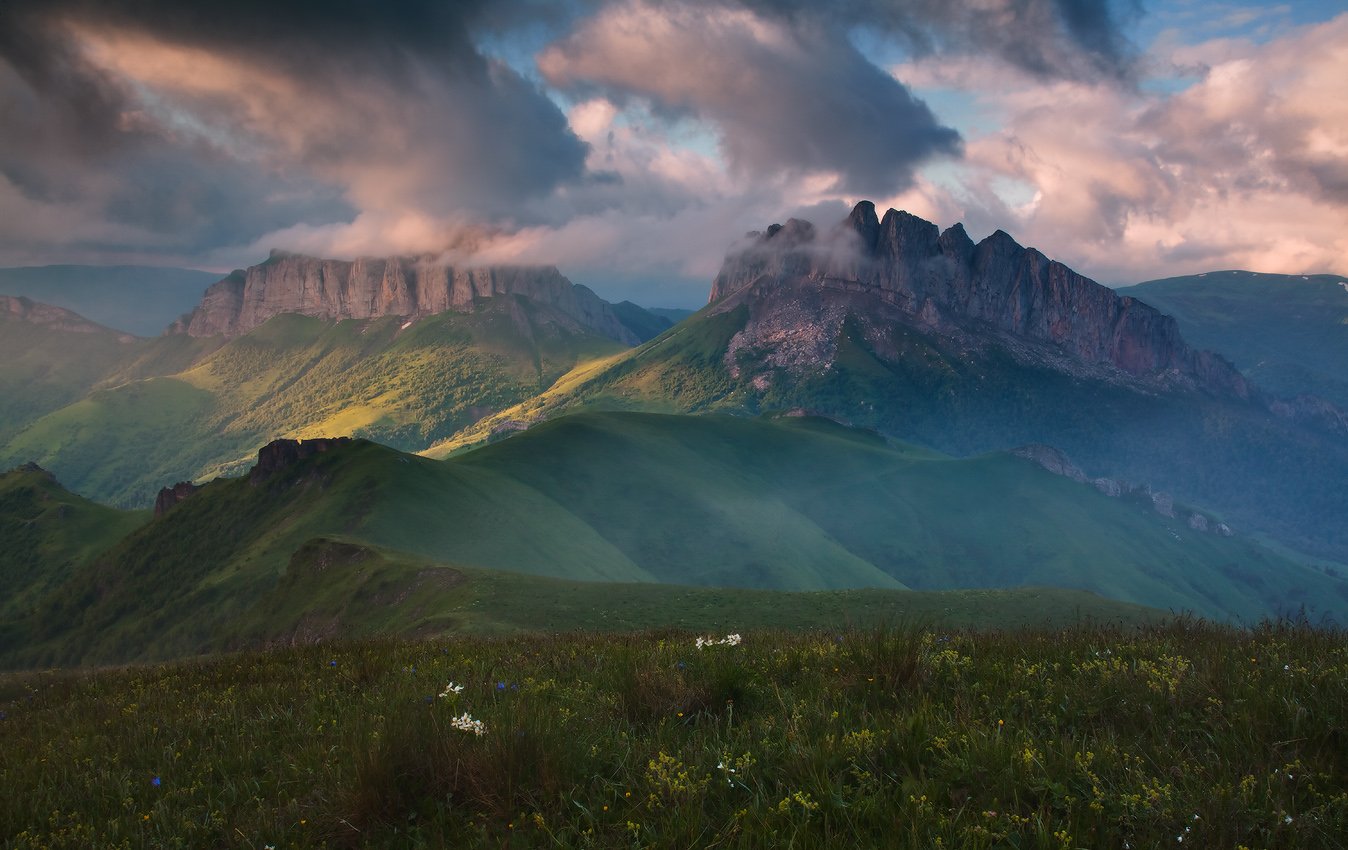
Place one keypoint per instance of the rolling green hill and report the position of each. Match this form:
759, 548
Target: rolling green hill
966, 397
403, 383
140, 300
794, 504
48, 533
1287, 332
50, 358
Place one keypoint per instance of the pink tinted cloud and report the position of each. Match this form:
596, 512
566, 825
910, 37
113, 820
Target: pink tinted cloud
1246, 168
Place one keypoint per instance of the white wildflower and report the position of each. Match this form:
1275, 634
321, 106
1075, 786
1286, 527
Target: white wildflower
466, 723
451, 688
728, 640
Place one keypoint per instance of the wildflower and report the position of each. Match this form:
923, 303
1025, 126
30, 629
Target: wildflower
466, 723
500, 686
332, 663
728, 640
451, 688
1287, 819
154, 781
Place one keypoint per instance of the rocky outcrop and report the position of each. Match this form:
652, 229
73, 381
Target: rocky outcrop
171, 497
1055, 461
369, 288
54, 318
1052, 460
279, 454
944, 278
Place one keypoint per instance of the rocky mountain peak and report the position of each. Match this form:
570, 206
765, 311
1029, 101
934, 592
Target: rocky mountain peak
372, 287
945, 280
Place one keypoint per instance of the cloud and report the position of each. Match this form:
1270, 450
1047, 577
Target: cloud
270, 114
1050, 39
783, 96
1248, 167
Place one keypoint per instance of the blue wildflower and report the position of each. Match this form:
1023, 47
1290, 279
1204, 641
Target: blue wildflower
500, 686
155, 781
332, 663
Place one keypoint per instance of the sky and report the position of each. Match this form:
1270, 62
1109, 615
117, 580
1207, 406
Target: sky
632, 142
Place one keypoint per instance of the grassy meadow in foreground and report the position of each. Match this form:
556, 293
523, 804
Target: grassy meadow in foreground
1184, 734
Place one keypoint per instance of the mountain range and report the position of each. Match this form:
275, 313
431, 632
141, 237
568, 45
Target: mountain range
878, 404
116, 416
894, 326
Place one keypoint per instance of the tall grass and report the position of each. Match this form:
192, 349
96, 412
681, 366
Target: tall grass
1181, 735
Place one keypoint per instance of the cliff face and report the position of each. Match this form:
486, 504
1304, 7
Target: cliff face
946, 279
368, 288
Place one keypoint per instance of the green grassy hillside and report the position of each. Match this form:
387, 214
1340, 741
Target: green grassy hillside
297, 377
43, 369
795, 504
48, 533
1287, 332
1260, 472
1182, 735
343, 588
141, 300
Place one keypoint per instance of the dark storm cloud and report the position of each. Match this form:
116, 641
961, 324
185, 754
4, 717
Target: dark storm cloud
308, 112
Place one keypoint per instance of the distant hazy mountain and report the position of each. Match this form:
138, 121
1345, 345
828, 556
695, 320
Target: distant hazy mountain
795, 503
1288, 333
142, 300
968, 348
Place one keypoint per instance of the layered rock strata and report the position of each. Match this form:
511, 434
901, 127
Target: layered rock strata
369, 288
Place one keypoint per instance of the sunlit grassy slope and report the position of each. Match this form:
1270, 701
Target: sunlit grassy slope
1287, 332
44, 368
300, 377
794, 504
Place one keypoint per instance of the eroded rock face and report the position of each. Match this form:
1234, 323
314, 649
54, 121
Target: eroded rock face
946, 280
171, 497
279, 454
369, 288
